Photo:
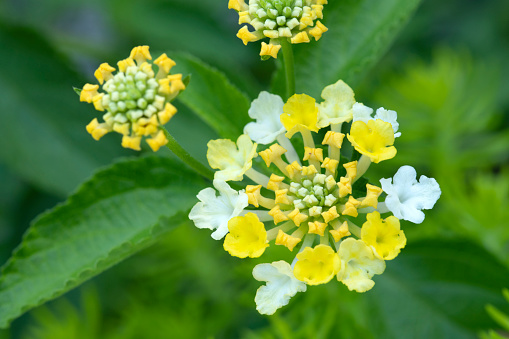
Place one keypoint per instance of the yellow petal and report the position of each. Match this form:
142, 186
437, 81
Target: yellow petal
317, 265
374, 139
384, 236
247, 237
300, 112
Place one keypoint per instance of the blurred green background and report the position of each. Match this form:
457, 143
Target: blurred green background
447, 76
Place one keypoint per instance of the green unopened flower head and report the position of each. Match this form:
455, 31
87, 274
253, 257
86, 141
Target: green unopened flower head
136, 99
295, 20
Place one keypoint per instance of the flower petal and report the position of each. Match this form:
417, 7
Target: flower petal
231, 160
214, 212
266, 110
281, 286
337, 107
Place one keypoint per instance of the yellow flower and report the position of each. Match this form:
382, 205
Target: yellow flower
316, 265
300, 113
358, 265
337, 105
374, 139
136, 100
294, 20
384, 237
247, 237
231, 160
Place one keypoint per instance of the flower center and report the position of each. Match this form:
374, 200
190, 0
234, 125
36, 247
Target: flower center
276, 14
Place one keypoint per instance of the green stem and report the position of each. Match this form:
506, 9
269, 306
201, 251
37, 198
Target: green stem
289, 67
175, 147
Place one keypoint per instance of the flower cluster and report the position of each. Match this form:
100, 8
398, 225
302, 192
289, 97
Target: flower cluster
318, 205
295, 20
136, 99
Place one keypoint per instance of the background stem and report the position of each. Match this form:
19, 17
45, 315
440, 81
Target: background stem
289, 67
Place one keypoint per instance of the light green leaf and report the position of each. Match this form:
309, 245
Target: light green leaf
360, 32
121, 210
437, 289
213, 97
42, 121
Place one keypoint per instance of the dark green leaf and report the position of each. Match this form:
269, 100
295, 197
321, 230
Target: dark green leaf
121, 210
360, 32
213, 97
444, 282
42, 121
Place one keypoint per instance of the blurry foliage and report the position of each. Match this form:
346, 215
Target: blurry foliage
453, 111
501, 319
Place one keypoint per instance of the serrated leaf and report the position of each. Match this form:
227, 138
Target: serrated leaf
447, 283
360, 32
42, 121
213, 97
121, 210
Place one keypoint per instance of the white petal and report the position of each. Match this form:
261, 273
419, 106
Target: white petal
266, 110
361, 112
388, 116
281, 286
407, 197
214, 212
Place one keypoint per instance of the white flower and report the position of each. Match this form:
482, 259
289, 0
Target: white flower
406, 197
363, 113
266, 110
390, 117
214, 212
281, 286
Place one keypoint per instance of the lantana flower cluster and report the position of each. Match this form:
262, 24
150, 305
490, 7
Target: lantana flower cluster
294, 20
319, 205
136, 99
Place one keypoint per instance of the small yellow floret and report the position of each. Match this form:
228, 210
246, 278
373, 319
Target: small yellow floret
244, 18
247, 237
277, 214
373, 139
317, 227
341, 232
232, 160
297, 217
140, 54
300, 113
88, 92
131, 142
330, 215
274, 182
96, 129
103, 73
330, 165
385, 237
123, 129
176, 83
293, 169
371, 200
351, 169
253, 194
309, 170
351, 207
282, 197
158, 141
168, 112
165, 64
270, 50
272, 154
317, 265
313, 154
98, 102
318, 30
345, 187
124, 64
238, 5
287, 240
300, 38
334, 139
246, 36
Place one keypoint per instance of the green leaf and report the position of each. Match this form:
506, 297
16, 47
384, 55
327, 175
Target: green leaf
360, 32
121, 210
213, 97
437, 289
42, 121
